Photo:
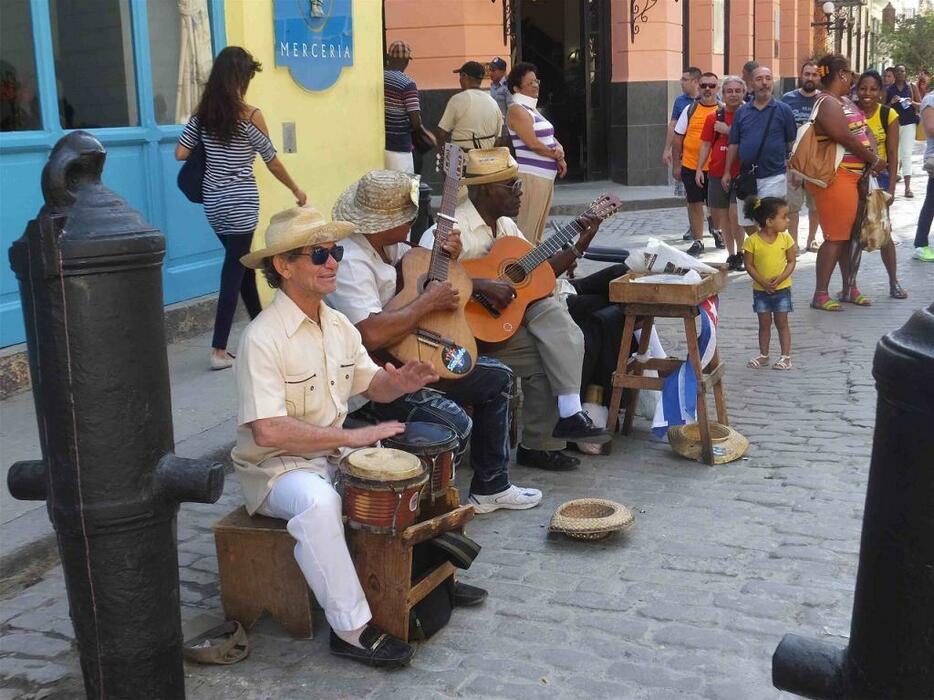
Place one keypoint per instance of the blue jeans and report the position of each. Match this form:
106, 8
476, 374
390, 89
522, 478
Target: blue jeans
922, 235
487, 389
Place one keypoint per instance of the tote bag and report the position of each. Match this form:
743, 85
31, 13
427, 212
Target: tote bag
812, 160
191, 176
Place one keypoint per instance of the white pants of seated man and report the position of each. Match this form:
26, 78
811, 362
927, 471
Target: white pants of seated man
313, 508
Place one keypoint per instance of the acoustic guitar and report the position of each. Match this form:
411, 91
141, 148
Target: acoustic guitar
443, 338
514, 260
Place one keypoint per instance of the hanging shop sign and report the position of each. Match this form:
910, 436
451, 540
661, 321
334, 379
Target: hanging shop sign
314, 40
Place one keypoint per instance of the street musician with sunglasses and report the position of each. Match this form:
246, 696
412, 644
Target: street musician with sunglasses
298, 364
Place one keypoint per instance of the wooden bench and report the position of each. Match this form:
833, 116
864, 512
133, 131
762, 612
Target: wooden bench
258, 572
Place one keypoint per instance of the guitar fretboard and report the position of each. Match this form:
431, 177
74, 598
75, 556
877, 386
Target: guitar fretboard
438, 266
549, 247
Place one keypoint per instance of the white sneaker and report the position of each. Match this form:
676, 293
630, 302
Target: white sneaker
514, 498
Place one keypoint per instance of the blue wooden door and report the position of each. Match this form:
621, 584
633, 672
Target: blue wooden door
126, 112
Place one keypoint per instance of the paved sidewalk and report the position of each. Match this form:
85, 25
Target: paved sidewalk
691, 603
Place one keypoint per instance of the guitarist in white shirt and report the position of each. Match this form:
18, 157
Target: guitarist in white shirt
381, 208
548, 349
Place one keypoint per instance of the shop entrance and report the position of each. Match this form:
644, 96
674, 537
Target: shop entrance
568, 40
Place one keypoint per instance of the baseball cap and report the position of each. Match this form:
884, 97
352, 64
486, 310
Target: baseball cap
472, 69
497, 62
399, 49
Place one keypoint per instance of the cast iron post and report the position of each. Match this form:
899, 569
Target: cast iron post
90, 276
891, 650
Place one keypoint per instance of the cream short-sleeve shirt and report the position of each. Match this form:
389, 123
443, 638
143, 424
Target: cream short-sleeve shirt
472, 113
288, 365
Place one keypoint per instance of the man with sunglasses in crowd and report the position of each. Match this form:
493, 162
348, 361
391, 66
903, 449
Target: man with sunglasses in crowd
382, 206
298, 364
546, 352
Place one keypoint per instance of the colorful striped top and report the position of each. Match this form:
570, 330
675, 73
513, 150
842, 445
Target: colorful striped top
529, 161
856, 121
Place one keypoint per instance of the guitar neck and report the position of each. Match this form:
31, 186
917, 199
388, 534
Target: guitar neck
547, 248
444, 219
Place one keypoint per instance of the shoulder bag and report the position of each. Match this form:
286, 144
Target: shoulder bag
191, 176
746, 180
812, 160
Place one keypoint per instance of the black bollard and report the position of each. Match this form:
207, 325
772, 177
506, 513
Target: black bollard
891, 650
424, 220
90, 277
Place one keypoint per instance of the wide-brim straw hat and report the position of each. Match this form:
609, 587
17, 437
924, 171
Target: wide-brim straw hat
486, 165
727, 444
379, 201
294, 228
591, 518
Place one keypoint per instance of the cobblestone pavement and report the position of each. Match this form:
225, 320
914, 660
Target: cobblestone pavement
689, 604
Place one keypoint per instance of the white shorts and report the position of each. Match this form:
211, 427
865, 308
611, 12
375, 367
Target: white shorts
397, 160
798, 196
772, 186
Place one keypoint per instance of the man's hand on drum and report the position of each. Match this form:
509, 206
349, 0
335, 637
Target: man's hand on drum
411, 376
371, 434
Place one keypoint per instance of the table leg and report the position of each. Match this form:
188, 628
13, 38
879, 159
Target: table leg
621, 360
718, 395
644, 337
690, 331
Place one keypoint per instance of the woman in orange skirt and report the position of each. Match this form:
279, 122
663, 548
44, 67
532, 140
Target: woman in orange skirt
840, 121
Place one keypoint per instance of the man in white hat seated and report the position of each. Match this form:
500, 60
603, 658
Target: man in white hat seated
547, 350
298, 364
382, 206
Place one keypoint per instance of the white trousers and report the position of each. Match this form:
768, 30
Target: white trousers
906, 144
396, 160
313, 508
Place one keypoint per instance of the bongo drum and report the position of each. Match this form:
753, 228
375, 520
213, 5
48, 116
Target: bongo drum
381, 489
435, 446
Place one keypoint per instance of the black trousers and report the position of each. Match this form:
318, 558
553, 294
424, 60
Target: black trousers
235, 280
602, 324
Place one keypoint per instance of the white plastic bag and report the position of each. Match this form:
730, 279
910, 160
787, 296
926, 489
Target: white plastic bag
661, 257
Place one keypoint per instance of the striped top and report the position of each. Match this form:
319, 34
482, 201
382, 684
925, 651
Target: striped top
529, 161
400, 96
856, 122
231, 199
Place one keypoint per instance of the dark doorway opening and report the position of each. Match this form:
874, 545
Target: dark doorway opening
568, 40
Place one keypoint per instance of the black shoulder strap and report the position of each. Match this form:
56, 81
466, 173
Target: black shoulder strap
691, 109
884, 116
721, 113
765, 134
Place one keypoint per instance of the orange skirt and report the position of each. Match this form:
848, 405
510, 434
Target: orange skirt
837, 205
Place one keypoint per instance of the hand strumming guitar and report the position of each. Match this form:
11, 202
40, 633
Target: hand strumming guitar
499, 292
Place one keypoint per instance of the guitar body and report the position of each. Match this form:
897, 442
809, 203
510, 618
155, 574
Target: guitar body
538, 284
443, 338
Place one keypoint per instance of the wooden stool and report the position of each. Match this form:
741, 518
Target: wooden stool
258, 572
384, 562
628, 374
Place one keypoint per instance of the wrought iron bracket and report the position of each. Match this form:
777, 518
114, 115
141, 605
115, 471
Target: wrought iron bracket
638, 12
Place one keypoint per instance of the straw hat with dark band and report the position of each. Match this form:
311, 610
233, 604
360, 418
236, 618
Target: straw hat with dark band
379, 201
727, 444
295, 228
486, 165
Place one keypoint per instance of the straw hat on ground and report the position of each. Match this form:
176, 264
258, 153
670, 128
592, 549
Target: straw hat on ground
727, 444
486, 165
379, 201
295, 228
591, 518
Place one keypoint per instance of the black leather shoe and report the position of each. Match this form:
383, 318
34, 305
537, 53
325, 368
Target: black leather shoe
380, 649
549, 460
579, 428
466, 596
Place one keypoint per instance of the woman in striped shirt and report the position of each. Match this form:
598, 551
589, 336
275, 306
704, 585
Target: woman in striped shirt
538, 152
233, 133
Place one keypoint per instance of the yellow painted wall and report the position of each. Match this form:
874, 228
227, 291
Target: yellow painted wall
339, 131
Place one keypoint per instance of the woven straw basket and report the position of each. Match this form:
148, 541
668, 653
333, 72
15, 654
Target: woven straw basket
591, 518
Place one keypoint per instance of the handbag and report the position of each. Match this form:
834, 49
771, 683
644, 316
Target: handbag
875, 229
746, 185
191, 176
813, 160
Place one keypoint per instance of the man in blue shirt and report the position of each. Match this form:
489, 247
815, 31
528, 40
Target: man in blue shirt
801, 102
749, 131
690, 90
498, 89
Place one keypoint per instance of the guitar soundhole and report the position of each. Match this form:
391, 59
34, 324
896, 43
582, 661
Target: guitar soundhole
514, 273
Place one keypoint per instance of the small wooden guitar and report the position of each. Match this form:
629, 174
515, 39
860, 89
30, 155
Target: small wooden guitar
514, 260
443, 338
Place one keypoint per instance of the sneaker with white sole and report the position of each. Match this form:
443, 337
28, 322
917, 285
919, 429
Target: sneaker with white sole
513, 498
925, 254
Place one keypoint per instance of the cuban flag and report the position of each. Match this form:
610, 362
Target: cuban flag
678, 404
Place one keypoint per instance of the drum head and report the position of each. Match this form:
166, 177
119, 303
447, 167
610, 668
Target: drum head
422, 437
382, 464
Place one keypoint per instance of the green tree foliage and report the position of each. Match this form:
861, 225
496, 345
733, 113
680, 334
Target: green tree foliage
911, 41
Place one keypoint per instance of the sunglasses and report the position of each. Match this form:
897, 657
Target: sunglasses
319, 256
709, 86
515, 188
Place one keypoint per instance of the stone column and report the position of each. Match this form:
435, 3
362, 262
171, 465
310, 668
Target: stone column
741, 31
788, 41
